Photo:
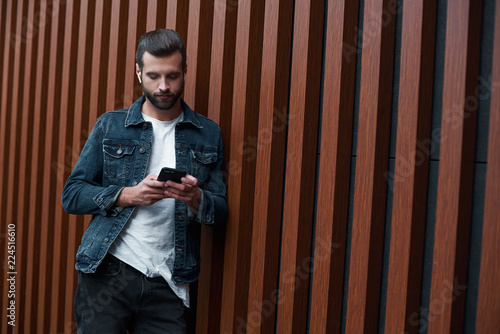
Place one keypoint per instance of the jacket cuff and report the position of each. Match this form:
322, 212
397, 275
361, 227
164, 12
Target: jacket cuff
205, 210
106, 199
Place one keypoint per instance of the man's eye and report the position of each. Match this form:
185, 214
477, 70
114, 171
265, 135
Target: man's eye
153, 77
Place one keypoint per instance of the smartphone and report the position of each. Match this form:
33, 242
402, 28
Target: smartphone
171, 174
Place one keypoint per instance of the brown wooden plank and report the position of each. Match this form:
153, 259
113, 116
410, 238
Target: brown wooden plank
177, 17
36, 191
114, 33
300, 166
46, 220
66, 115
456, 168
371, 165
96, 63
241, 164
151, 13
4, 112
488, 303
334, 169
9, 149
24, 186
131, 82
80, 133
198, 49
411, 169
270, 155
219, 109
17, 45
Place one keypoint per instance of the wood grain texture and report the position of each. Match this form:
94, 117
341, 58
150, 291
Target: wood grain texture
488, 303
334, 168
25, 158
456, 168
411, 169
49, 146
220, 97
60, 224
80, 110
10, 149
270, 156
371, 165
241, 165
300, 166
36, 191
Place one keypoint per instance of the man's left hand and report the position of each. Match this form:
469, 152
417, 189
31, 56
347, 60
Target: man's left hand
187, 191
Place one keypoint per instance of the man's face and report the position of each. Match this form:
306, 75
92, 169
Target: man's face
162, 79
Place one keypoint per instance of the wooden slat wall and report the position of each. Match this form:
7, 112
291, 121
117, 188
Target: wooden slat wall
410, 190
456, 169
488, 320
310, 95
371, 165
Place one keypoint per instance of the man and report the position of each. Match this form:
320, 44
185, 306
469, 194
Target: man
141, 249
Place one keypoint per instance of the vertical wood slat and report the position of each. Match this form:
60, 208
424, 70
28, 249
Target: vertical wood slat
5, 114
219, 109
96, 63
177, 17
37, 159
488, 303
60, 229
371, 164
152, 6
25, 161
334, 169
50, 154
79, 130
270, 155
113, 54
131, 83
13, 157
241, 166
300, 166
15, 44
411, 169
456, 167
198, 48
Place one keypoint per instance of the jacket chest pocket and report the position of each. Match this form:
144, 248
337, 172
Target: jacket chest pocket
118, 159
202, 162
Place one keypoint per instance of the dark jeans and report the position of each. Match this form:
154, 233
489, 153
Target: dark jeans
117, 298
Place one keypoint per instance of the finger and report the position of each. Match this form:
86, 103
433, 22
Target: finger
190, 180
153, 183
174, 185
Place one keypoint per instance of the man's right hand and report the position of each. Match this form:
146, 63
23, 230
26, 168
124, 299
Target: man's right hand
147, 192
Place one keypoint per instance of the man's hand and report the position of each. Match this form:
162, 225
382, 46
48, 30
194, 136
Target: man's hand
187, 191
148, 192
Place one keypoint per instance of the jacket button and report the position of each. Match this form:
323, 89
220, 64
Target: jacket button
134, 183
119, 151
142, 150
106, 240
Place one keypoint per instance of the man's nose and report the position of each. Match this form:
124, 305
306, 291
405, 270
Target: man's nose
164, 84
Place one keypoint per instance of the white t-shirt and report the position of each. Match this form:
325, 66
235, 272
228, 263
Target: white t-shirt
147, 242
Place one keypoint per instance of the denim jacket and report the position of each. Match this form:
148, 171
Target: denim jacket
116, 155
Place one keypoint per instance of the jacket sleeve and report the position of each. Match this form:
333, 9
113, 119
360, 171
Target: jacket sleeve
83, 192
213, 205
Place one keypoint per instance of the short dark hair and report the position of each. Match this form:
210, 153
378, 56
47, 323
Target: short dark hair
160, 43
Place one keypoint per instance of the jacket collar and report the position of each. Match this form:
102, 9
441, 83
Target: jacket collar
134, 115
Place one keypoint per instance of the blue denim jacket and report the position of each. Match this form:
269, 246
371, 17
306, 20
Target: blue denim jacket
116, 155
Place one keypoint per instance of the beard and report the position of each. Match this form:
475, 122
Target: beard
162, 104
